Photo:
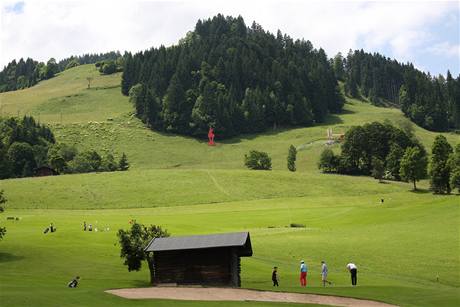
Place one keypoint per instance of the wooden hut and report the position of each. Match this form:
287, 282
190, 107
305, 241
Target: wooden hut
212, 260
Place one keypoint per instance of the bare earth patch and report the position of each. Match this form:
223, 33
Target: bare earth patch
230, 294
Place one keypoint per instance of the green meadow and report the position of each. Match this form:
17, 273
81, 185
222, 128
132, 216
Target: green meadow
407, 250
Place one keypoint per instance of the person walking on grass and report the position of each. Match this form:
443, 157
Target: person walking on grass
303, 273
275, 277
324, 272
353, 269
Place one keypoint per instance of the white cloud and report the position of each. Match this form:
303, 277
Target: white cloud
446, 49
63, 28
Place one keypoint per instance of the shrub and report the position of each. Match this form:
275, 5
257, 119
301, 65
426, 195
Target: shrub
258, 160
292, 156
328, 162
73, 63
109, 164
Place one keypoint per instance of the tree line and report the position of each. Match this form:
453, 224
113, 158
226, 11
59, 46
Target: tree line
430, 102
235, 78
22, 74
387, 152
89, 58
26, 145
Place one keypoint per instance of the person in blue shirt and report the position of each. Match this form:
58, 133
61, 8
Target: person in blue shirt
303, 273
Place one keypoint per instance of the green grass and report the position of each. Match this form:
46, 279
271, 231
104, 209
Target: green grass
66, 99
163, 188
400, 247
191, 188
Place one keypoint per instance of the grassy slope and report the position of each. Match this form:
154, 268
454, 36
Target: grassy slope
67, 94
400, 248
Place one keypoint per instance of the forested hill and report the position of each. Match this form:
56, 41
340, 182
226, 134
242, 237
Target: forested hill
235, 78
431, 102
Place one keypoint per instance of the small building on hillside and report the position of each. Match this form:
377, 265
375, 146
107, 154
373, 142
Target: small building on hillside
211, 260
45, 171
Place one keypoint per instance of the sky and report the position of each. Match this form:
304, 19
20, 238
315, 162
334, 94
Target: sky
426, 33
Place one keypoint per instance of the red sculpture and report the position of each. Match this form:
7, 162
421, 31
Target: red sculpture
211, 137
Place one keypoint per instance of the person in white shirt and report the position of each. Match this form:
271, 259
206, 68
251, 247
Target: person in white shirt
324, 272
353, 269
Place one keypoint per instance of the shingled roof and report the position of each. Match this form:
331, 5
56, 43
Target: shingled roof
239, 240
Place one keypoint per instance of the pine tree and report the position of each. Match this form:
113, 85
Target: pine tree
173, 106
339, 69
123, 164
126, 77
291, 158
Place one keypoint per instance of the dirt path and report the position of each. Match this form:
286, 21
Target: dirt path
229, 294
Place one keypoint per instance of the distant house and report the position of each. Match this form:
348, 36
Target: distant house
45, 171
212, 260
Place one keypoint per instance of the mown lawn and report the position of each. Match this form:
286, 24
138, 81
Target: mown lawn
401, 248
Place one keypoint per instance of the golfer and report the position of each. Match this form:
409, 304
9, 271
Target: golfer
353, 269
275, 277
74, 282
324, 272
303, 273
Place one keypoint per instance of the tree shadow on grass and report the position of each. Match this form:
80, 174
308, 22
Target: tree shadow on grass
141, 283
7, 257
420, 191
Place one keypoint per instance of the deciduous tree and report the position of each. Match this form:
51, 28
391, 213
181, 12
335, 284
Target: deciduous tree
439, 167
413, 165
133, 243
2, 208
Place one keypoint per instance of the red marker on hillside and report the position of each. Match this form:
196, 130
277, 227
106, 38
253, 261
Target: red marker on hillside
211, 137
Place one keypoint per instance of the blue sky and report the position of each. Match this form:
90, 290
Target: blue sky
425, 33
15, 8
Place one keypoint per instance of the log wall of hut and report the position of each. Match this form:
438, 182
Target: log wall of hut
211, 266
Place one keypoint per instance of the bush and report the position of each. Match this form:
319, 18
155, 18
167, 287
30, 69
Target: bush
328, 162
258, 160
73, 63
86, 162
109, 164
